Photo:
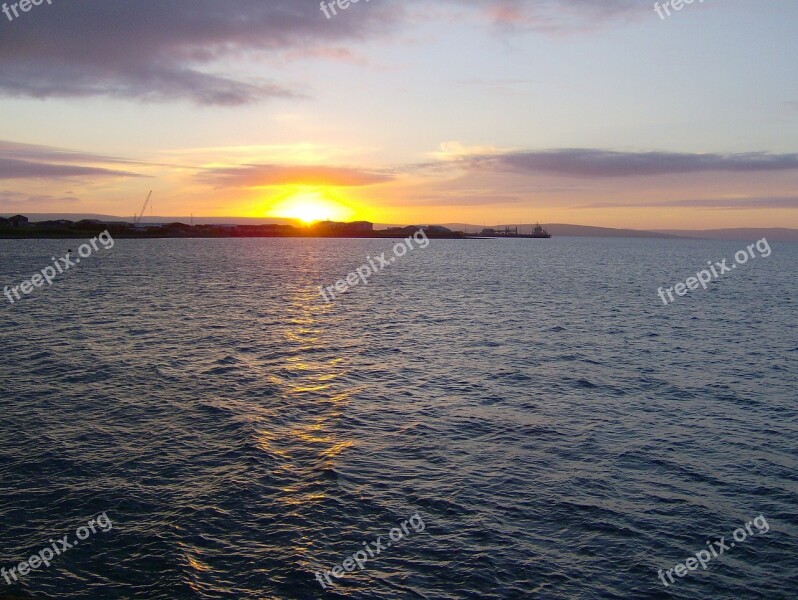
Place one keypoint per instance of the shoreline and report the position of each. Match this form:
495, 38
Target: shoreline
77, 235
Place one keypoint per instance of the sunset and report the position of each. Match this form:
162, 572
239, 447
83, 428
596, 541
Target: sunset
446, 114
308, 204
419, 299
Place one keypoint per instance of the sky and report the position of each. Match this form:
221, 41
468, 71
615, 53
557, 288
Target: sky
591, 112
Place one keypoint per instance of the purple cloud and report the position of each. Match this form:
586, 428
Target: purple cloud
27, 161
608, 163
23, 169
33, 152
768, 202
153, 50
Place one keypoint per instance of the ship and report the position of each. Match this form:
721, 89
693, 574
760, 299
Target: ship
539, 232
512, 232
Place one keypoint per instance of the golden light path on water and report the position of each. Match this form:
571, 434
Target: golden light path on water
296, 429
312, 444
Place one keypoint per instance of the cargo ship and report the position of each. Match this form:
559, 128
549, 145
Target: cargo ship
539, 232
512, 232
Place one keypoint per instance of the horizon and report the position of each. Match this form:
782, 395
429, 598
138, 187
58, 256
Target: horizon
468, 112
229, 220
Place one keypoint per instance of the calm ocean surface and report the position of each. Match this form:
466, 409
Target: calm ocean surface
560, 431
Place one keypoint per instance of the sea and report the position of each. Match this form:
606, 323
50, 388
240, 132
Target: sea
480, 419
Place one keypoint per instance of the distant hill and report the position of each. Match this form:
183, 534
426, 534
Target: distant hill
564, 230
559, 229
773, 234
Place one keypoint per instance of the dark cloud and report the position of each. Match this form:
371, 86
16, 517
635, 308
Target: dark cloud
607, 163
155, 83
156, 50
269, 175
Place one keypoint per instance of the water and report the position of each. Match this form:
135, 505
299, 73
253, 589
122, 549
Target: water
559, 431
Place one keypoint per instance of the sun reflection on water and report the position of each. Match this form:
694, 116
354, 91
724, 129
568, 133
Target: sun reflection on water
305, 443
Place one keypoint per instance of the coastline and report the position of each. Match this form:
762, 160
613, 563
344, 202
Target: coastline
20, 228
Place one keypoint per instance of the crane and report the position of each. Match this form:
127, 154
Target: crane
137, 220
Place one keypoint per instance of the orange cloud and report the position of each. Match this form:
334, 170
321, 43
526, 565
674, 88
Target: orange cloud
250, 176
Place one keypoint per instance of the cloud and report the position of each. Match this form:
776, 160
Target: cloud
26, 161
248, 176
455, 150
607, 163
555, 16
155, 51
19, 199
155, 83
750, 203
40, 153
24, 169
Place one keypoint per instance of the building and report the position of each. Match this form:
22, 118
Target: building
354, 228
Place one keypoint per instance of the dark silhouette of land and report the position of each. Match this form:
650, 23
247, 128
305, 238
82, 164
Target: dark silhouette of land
19, 227
61, 226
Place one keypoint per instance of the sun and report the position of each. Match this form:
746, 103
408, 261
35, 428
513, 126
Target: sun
310, 207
